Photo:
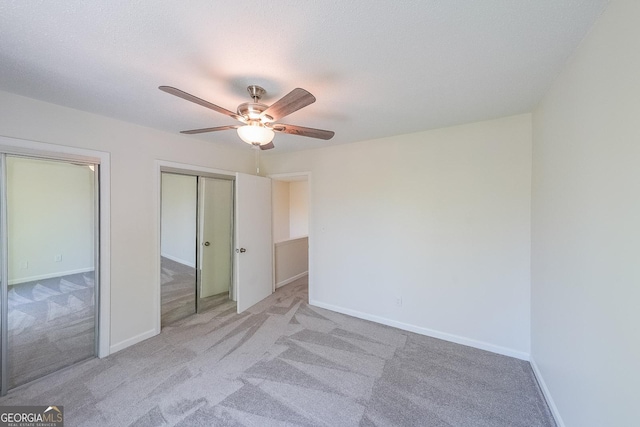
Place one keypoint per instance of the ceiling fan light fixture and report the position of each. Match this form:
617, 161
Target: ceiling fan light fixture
255, 134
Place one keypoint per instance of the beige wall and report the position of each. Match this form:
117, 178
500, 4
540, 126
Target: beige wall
292, 260
135, 202
280, 207
298, 208
586, 233
440, 219
290, 209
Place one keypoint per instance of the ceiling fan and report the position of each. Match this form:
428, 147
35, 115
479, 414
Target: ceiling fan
259, 120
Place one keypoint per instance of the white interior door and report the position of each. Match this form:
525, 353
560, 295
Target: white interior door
254, 246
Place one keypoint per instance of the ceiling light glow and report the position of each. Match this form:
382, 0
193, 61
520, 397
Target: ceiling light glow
255, 134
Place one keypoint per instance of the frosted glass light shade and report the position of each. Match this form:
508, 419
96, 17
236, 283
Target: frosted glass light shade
255, 134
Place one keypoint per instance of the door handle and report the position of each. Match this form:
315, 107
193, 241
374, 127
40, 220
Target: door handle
206, 243
241, 250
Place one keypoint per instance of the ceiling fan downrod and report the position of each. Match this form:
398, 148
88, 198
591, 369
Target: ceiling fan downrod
256, 92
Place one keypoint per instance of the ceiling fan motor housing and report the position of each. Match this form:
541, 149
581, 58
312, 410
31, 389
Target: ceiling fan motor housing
251, 111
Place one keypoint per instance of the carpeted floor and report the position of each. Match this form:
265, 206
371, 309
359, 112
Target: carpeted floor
50, 324
213, 301
285, 363
178, 293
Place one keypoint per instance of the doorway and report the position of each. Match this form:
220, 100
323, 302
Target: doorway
50, 288
290, 204
197, 226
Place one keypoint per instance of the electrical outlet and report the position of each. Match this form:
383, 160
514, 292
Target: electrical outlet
399, 301
24, 265
57, 258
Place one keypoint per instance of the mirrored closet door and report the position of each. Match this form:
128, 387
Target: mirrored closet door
216, 242
178, 246
49, 258
196, 244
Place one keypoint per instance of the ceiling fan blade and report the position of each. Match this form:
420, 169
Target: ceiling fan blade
303, 131
268, 146
207, 104
203, 130
293, 101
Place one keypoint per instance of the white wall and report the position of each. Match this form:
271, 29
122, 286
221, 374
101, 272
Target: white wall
50, 212
178, 222
438, 218
280, 207
586, 231
135, 200
298, 208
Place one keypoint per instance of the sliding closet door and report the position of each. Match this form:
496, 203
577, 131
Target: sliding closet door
51, 220
216, 241
178, 246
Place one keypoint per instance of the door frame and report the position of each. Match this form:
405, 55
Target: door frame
285, 177
183, 169
64, 153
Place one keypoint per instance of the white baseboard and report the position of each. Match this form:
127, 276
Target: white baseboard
425, 331
131, 341
49, 276
179, 260
546, 393
292, 279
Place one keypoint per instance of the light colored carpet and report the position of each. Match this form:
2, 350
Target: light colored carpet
213, 301
177, 291
285, 363
50, 325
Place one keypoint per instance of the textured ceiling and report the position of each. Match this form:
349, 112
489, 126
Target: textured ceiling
377, 67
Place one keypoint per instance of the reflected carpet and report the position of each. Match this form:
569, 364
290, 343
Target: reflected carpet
50, 324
